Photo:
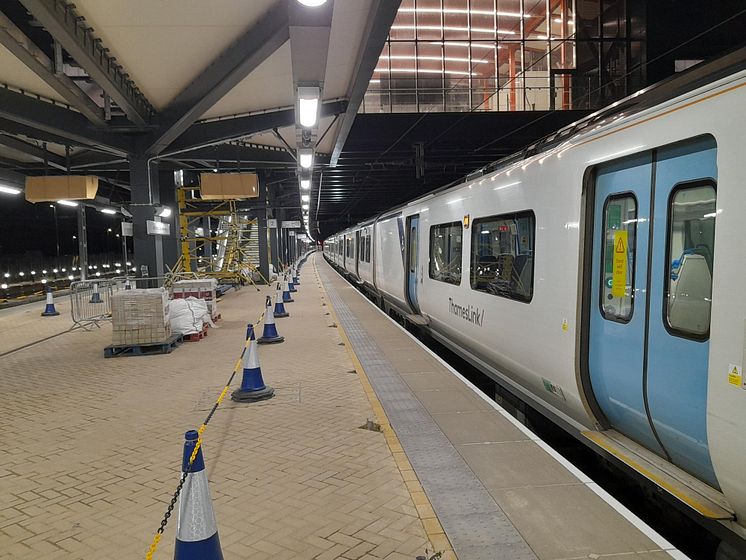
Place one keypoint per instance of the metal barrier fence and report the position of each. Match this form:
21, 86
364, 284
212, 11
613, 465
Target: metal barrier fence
90, 302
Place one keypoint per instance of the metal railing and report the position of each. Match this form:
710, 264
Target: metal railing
90, 302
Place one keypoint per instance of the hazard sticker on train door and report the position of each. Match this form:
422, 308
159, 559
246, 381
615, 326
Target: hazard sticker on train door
619, 273
734, 375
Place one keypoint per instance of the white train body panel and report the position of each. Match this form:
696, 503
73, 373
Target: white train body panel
540, 341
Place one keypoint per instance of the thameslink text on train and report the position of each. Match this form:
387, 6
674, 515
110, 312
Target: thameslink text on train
468, 313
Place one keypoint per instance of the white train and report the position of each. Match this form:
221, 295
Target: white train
598, 276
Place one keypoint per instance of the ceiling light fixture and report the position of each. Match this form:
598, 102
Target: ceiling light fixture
305, 157
9, 190
308, 105
164, 212
305, 198
67, 203
312, 3
108, 211
305, 184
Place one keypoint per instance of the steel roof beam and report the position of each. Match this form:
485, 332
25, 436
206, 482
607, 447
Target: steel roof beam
36, 152
69, 126
61, 20
201, 135
224, 73
383, 13
39, 63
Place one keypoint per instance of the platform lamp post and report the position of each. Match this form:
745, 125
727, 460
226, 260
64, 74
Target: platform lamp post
56, 230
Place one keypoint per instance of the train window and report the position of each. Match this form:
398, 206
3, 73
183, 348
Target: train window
367, 247
502, 255
690, 249
618, 258
445, 252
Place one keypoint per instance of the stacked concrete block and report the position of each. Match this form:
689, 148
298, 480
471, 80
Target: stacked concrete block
140, 317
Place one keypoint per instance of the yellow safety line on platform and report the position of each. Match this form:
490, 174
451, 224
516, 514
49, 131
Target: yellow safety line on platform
430, 523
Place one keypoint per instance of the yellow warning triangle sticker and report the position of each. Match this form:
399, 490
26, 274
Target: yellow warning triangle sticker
735, 370
620, 246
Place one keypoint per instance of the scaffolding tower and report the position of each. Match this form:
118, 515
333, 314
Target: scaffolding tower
230, 252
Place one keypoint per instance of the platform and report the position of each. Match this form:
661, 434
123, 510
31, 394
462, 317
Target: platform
92, 447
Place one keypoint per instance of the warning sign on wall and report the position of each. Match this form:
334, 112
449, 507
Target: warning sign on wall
619, 273
734, 375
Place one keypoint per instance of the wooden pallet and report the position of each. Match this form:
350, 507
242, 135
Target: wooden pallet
196, 337
165, 347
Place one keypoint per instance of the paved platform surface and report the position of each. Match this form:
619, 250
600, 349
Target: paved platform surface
498, 491
91, 447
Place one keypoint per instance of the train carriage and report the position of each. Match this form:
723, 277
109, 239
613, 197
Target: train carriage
597, 276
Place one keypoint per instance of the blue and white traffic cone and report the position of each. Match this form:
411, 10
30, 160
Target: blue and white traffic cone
291, 284
95, 296
127, 284
286, 297
280, 310
49, 310
196, 530
252, 385
270, 334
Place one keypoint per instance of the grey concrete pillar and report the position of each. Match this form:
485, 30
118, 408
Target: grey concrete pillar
148, 249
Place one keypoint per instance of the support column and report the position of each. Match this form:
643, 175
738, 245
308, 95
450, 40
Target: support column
167, 194
148, 249
82, 242
261, 222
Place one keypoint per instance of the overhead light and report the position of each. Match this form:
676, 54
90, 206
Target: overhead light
4, 286
305, 157
308, 105
71, 277
67, 202
304, 206
305, 184
164, 212
108, 211
9, 190
305, 198
312, 3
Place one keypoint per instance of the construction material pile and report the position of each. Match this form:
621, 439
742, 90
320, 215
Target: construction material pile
140, 316
200, 288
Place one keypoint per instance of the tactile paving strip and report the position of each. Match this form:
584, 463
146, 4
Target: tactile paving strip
476, 526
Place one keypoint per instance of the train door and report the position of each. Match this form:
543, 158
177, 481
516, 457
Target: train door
412, 260
651, 281
358, 254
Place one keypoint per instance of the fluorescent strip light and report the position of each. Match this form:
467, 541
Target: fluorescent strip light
304, 206
517, 15
426, 71
305, 198
436, 58
452, 28
9, 190
108, 211
67, 203
305, 184
305, 158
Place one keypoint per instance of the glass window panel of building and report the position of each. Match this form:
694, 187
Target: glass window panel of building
506, 55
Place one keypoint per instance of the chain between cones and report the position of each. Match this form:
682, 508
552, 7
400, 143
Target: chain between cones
159, 532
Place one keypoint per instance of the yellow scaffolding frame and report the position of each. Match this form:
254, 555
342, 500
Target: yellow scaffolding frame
234, 264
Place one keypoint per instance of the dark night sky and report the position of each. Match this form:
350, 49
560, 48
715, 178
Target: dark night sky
26, 227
